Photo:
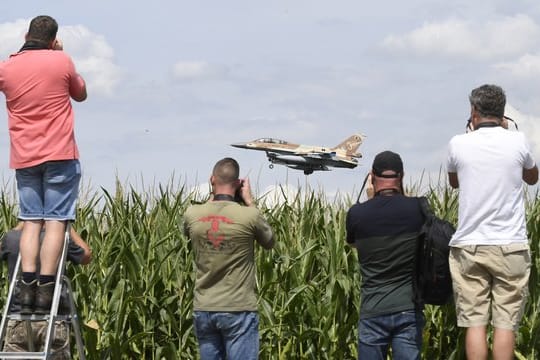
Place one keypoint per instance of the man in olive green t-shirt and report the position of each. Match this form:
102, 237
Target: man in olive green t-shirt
223, 232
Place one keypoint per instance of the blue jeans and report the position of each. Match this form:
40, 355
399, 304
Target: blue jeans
49, 191
401, 330
227, 335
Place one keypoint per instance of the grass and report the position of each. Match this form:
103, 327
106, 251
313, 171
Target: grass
137, 292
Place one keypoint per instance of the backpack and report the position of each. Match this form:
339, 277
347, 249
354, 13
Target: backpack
433, 282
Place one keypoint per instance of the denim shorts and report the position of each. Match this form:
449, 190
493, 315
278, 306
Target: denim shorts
49, 191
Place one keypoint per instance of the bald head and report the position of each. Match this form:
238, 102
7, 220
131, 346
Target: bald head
226, 171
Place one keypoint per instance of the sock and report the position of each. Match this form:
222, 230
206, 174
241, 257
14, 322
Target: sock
45, 279
28, 277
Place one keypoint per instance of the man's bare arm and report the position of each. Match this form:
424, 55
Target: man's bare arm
78, 240
530, 176
77, 89
453, 180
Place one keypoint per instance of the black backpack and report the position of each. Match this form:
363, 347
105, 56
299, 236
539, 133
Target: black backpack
433, 283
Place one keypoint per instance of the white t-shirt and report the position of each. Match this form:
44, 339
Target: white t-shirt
489, 163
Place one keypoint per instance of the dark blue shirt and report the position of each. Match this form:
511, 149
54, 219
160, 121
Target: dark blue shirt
384, 231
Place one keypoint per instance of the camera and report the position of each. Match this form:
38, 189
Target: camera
238, 193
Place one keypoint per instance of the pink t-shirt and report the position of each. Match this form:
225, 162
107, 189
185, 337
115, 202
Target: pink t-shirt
37, 85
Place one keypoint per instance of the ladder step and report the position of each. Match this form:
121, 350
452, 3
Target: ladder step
39, 317
33, 317
22, 355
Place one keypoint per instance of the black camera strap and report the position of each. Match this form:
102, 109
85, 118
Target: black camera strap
34, 45
480, 125
223, 197
362, 188
487, 125
512, 120
387, 192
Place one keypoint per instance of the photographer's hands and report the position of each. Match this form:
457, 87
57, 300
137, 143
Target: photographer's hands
245, 193
370, 189
57, 45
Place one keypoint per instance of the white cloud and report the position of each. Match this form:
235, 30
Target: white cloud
526, 66
270, 196
101, 75
92, 55
475, 39
197, 70
200, 192
529, 125
12, 36
278, 194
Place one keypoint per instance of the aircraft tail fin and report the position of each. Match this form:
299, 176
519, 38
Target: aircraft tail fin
350, 145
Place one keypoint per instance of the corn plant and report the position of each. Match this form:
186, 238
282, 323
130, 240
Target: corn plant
135, 298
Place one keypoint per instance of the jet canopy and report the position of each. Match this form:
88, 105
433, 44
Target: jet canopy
270, 141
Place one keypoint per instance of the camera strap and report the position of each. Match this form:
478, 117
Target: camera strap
505, 117
387, 192
34, 45
512, 120
487, 125
362, 188
223, 197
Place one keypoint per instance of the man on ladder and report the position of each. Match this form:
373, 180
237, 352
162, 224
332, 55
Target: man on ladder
17, 338
39, 82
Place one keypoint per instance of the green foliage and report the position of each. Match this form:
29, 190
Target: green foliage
135, 298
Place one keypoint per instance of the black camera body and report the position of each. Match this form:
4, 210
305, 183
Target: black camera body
238, 193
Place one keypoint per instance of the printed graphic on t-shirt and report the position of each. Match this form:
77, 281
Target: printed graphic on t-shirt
214, 236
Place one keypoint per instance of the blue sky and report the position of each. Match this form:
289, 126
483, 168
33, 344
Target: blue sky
172, 83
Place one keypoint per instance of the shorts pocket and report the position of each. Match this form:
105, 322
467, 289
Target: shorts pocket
512, 248
518, 259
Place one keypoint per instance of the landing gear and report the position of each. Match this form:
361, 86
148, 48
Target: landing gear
271, 166
308, 172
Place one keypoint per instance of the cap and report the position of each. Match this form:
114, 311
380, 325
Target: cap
387, 160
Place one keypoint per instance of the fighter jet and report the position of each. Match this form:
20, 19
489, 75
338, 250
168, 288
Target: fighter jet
305, 157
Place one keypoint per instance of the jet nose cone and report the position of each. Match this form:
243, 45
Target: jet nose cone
240, 145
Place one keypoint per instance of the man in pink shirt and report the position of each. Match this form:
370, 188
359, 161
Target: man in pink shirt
39, 82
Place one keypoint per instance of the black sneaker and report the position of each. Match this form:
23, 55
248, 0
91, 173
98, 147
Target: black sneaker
27, 296
43, 301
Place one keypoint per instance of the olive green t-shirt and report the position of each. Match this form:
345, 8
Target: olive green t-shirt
223, 235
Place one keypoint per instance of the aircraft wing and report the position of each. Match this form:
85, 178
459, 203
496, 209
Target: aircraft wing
319, 155
314, 153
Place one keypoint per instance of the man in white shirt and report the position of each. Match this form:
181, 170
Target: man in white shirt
489, 258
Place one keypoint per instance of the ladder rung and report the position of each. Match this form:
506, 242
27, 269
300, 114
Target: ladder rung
22, 355
27, 317
34, 317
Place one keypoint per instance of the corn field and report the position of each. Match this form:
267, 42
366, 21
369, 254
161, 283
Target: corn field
135, 298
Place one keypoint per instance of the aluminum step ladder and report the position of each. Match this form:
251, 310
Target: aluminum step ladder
72, 319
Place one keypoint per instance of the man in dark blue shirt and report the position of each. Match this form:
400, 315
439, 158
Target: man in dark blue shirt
384, 230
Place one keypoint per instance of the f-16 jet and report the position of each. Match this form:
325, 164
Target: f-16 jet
306, 157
